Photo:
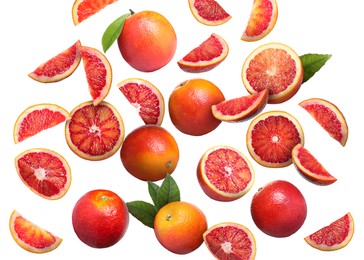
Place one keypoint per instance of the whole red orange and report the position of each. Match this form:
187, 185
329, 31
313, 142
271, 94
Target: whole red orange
279, 209
100, 218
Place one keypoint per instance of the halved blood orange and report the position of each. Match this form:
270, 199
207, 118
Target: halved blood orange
224, 173
58, 67
334, 236
83, 9
241, 108
95, 132
98, 73
329, 117
229, 240
208, 12
271, 137
44, 172
146, 98
263, 18
37, 118
274, 66
309, 167
30, 236
206, 56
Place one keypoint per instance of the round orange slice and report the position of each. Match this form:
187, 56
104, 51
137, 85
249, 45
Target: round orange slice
59, 67
263, 18
146, 98
31, 237
208, 12
274, 66
95, 132
329, 117
37, 118
83, 9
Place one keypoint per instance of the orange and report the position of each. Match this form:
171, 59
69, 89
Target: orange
179, 227
208, 12
147, 41
190, 106
100, 218
83, 9
149, 153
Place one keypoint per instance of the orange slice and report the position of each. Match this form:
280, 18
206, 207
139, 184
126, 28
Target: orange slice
44, 172
95, 132
206, 56
30, 236
59, 67
309, 167
37, 118
329, 117
241, 108
146, 98
98, 73
334, 236
208, 12
274, 66
263, 18
83, 9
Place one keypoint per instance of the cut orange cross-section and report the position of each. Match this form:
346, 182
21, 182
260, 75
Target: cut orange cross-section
83, 9
208, 12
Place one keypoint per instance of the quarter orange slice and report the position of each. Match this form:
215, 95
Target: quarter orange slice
334, 236
146, 98
30, 236
37, 118
98, 73
95, 132
83, 9
329, 117
59, 67
274, 66
206, 56
263, 18
208, 12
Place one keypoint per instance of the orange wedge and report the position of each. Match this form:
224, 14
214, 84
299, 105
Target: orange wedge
83, 9
208, 12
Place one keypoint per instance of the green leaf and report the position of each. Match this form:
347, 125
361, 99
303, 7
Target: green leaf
312, 63
168, 192
153, 191
143, 211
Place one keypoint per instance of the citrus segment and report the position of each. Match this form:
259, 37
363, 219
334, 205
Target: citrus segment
206, 56
94, 132
37, 118
228, 240
30, 236
274, 66
309, 167
263, 18
98, 73
241, 108
334, 236
146, 98
208, 12
329, 117
83, 9
271, 137
224, 173
44, 172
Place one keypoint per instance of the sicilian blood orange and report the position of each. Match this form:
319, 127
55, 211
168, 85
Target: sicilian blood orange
241, 108
229, 240
94, 132
309, 167
271, 137
44, 172
208, 12
30, 236
274, 66
98, 73
329, 117
206, 56
37, 118
145, 97
334, 236
263, 18
83, 9
224, 173
59, 67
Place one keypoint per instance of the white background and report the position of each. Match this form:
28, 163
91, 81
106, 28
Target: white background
34, 31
